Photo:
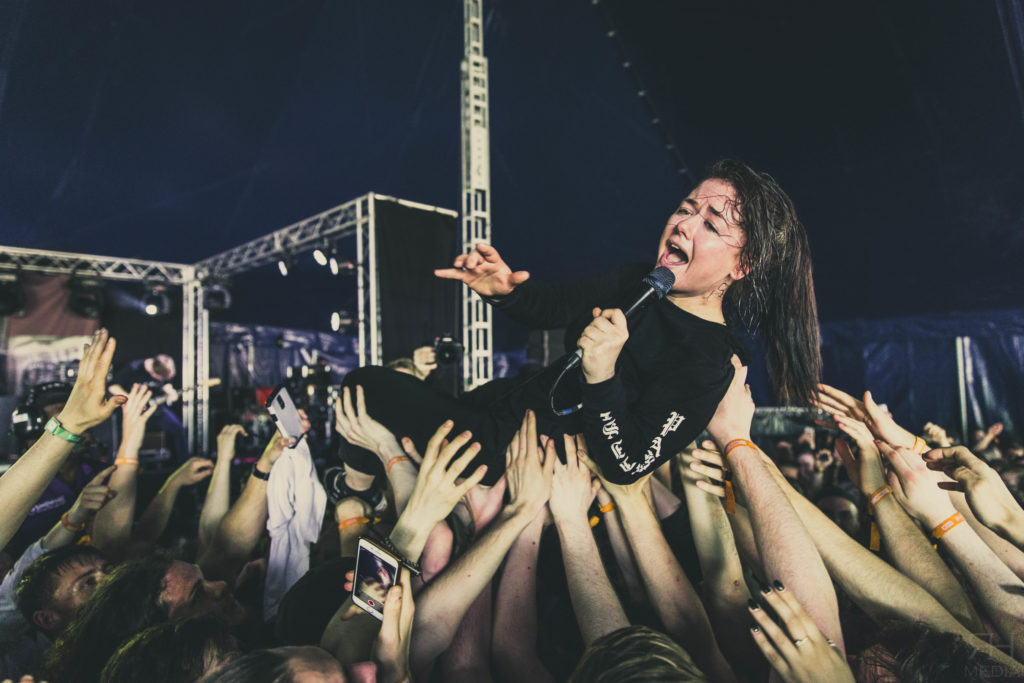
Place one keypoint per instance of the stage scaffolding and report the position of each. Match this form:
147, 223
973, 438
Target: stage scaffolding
353, 218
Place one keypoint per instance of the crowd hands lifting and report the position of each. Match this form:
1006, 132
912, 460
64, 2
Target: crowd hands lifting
781, 567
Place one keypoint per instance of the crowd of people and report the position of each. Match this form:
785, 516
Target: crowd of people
855, 550
645, 535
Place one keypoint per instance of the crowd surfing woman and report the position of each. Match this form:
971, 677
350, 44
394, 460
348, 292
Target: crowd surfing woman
740, 258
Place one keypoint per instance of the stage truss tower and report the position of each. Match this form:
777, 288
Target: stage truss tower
477, 336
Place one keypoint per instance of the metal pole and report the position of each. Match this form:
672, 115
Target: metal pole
961, 375
376, 344
361, 283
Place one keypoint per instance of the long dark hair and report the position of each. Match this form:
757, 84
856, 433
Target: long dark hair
776, 298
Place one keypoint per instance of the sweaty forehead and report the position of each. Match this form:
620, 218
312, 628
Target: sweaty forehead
720, 197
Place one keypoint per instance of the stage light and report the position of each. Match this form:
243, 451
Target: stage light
334, 264
320, 255
216, 297
338, 266
156, 301
87, 294
335, 321
12, 293
282, 265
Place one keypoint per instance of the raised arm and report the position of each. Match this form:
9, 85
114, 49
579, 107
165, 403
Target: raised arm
93, 498
242, 526
671, 593
218, 493
86, 407
999, 590
154, 519
787, 551
112, 529
908, 549
444, 601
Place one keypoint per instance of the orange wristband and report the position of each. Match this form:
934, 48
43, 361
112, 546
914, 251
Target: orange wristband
945, 527
66, 523
919, 445
394, 461
607, 508
594, 521
356, 520
730, 498
126, 461
878, 495
736, 443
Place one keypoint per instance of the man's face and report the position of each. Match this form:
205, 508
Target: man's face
807, 464
187, 593
75, 584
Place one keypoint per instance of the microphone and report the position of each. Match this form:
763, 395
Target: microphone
657, 283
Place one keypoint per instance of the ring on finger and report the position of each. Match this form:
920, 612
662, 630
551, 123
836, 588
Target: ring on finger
799, 642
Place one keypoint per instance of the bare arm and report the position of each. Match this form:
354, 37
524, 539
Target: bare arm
787, 551
112, 530
154, 520
218, 493
514, 641
25, 481
620, 547
908, 549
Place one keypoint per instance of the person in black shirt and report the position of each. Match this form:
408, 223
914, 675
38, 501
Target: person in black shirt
736, 249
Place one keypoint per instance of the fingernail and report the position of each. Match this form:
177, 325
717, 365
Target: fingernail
448, 423
778, 585
398, 592
767, 590
755, 629
752, 604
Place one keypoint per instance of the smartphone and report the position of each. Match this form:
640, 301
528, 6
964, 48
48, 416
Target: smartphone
376, 573
285, 414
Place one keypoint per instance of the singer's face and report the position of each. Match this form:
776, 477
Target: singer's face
701, 243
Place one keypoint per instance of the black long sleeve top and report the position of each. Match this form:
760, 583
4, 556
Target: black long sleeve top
669, 378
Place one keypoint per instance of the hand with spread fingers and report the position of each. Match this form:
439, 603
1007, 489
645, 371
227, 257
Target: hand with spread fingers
356, 425
863, 463
838, 402
937, 434
796, 649
88, 405
226, 441
193, 471
135, 412
437, 490
916, 487
528, 469
990, 500
572, 488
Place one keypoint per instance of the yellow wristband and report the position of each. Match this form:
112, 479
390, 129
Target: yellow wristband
66, 523
607, 508
394, 461
878, 495
126, 461
356, 520
736, 443
946, 525
919, 445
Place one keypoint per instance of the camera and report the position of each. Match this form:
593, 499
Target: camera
447, 351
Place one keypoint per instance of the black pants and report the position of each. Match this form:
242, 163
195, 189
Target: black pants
410, 407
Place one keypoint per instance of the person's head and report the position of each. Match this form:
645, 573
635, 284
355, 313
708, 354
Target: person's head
765, 265
54, 586
1013, 475
1012, 449
807, 465
161, 367
138, 594
173, 652
915, 653
633, 655
281, 665
840, 506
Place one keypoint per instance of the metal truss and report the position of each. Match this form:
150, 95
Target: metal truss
477, 334
107, 267
338, 222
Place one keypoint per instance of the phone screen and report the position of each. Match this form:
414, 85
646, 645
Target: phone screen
376, 573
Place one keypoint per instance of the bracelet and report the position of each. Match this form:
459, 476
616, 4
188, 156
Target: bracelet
878, 495
394, 461
736, 443
66, 523
944, 527
607, 508
259, 474
919, 445
53, 426
594, 521
126, 461
352, 521
385, 541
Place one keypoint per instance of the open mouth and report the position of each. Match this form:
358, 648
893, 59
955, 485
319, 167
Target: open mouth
674, 256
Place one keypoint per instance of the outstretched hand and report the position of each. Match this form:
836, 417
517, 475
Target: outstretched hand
135, 412
357, 427
838, 402
437, 490
88, 404
916, 487
94, 496
863, 464
616, 491
572, 489
193, 471
528, 470
990, 500
736, 409
484, 271
391, 649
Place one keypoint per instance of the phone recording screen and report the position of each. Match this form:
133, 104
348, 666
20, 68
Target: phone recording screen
374, 577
